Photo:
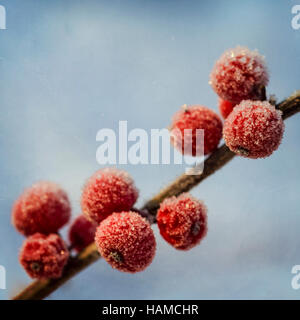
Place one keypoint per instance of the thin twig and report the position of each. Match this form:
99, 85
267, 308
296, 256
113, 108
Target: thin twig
41, 289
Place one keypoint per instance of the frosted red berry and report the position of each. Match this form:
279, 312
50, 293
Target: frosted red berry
195, 117
44, 208
126, 241
44, 257
108, 190
82, 233
225, 107
182, 221
253, 129
239, 74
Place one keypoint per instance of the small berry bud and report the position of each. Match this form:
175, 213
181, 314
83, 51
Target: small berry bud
107, 191
126, 241
253, 129
82, 233
195, 117
44, 257
43, 208
225, 108
182, 221
240, 74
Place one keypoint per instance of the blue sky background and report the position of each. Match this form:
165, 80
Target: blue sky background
69, 68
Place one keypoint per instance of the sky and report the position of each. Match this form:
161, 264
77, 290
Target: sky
69, 68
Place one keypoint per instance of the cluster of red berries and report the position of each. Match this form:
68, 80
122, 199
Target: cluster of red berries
253, 128
123, 236
39, 213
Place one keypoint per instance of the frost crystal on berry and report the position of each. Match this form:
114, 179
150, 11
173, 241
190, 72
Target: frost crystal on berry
44, 257
108, 190
254, 129
44, 208
239, 74
126, 241
193, 118
182, 221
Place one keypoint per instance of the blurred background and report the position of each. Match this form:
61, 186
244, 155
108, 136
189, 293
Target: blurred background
69, 68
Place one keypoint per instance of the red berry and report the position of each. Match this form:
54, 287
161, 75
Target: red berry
44, 257
82, 233
108, 190
182, 221
225, 107
239, 74
44, 208
195, 117
254, 129
126, 241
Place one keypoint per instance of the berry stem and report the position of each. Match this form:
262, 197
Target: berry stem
42, 288
116, 256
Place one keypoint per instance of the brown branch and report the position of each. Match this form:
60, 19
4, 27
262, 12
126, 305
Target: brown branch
41, 289
185, 182
290, 106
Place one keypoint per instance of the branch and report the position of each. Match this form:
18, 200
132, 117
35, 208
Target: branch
42, 288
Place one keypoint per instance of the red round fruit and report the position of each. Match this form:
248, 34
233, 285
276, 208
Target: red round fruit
108, 190
126, 241
193, 118
43, 208
182, 221
254, 129
239, 74
82, 233
44, 257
